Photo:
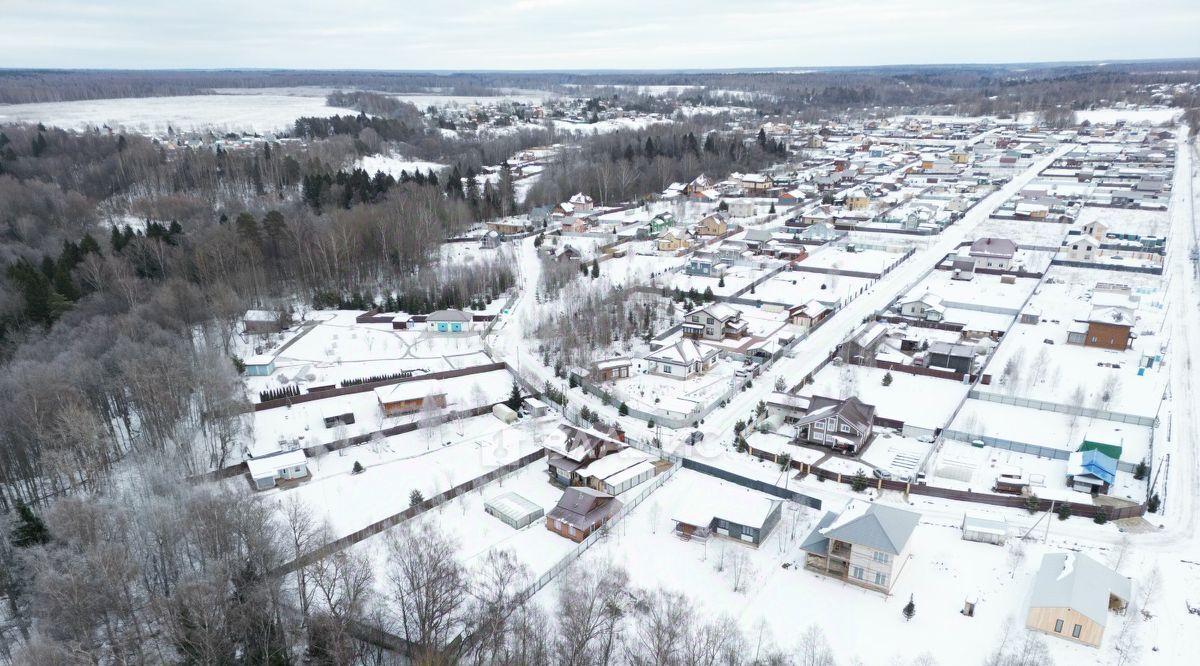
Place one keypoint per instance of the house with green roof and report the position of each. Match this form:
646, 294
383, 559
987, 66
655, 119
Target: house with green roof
866, 544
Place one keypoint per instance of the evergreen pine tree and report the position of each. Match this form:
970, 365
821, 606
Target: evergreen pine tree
415, 497
595, 269
30, 529
514, 398
910, 609
623, 410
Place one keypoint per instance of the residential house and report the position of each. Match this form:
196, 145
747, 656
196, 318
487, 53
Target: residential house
580, 512
269, 470
699, 185
598, 473
682, 360
449, 321
610, 370
857, 199
755, 183
491, 240
959, 358
506, 226
928, 307
581, 202
1109, 327
1082, 248
716, 224
570, 448
660, 223
564, 208
994, 253
844, 425
1092, 471
263, 322
759, 240
538, 215
706, 265
574, 224
808, 314
1073, 595
820, 231
673, 240
866, 544
862, 345
729, 511
1096, 229
714, 322
411, 396
260, 365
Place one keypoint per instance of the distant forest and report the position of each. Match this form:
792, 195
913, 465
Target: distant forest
961, 88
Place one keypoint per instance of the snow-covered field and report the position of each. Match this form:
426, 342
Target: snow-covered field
427, 460
152, 115
393, 165
1152, 115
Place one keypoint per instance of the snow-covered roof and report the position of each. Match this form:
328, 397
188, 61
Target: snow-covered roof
727, 502
1078, 582
267, 467
985, 525
405, 391
613, 463
260, 359
448, 315
261, 315
513, 506
683, 352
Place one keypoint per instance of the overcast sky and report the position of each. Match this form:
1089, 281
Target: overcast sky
593, 34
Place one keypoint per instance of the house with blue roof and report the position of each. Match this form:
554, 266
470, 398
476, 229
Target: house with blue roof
1091, 471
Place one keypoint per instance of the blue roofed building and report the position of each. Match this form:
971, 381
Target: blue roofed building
1091, 471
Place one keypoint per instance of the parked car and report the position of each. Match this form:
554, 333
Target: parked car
881, 473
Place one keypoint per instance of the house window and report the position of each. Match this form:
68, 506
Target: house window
711, 320
1076, 631
1058, 626
881, 579
845, 428
882, 557
571, 530
819, 425
1093, 338
857, 572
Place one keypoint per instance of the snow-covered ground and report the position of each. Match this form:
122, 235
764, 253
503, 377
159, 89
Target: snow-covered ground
924, 402
394, 165
1134, 115
152, 115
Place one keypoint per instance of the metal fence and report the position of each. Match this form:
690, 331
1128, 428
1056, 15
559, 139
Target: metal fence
753, 484
1047, 406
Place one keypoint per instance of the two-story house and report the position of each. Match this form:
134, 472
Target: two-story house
866, 544
682, 360
713, 225
714, 322
996, 253
844, 425
571, 448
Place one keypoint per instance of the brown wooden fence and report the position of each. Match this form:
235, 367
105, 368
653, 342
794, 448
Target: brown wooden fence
1084, 510
371, 386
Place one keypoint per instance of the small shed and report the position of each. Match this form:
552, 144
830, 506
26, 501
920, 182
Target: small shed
536, 407
629, 478
514, 510
262, 322
266, 471
984, 530
334, 415
260, 365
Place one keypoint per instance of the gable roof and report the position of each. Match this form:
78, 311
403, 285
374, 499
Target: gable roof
683, 352
1094, 462
873, 525
1078, 582
719, 311
853, 410
993, 247
580, 506
448, 315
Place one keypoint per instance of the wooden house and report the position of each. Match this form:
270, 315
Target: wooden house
1073, 595
411, 396
580, 512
